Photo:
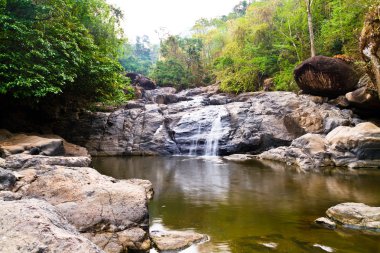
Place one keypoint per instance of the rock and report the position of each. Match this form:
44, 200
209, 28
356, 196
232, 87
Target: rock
271, 245
7, 179
325, 222
8, 195
33, 225
20, 143
356, 215
146, 83
175, 240
144, 183
366, 100
202, 119
307, 152
323, 247
239, 157
325, 76
352, 146
23, 161
98, 206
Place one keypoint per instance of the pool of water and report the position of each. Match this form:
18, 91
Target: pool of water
249, 207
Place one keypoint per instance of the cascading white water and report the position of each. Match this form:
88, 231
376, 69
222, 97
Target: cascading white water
194, 144
213, 137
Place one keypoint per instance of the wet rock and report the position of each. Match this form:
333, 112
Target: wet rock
325, 222
356, 215
97, 205
202, 119
33, 225
20, 143
323, 247
239, 157
325, 76
175, 240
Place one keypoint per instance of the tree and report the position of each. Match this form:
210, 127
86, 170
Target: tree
309, 3
59, 47
370, 44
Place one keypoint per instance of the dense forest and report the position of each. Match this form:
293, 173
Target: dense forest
77, 48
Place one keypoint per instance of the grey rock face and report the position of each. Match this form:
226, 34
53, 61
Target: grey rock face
33, 225
201, 119
356, 215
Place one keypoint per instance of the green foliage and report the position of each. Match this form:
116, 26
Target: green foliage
66, 46
139, 57
180, 64
270, 38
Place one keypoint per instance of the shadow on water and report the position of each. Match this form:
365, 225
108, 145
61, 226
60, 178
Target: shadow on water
249, 207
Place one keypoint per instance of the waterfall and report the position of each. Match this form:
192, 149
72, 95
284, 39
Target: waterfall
212, 139
194, 144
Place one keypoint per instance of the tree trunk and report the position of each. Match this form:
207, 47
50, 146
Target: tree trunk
370, 45
310, 24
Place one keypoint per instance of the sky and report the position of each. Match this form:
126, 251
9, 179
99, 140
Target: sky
144, 17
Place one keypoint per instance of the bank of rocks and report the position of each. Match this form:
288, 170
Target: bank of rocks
168, 123
353, 147
61, 204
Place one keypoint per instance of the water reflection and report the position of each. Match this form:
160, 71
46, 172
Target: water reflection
243, 206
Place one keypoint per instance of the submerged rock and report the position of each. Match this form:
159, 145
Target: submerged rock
356, 215
32, 225
323, 221
175, 240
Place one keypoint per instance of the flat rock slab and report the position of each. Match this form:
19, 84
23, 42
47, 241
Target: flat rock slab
356, 215
175, 240
20, 143
32, 225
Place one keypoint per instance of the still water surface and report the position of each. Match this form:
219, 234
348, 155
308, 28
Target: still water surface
243, 206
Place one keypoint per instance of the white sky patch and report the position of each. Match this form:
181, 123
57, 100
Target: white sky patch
145, 17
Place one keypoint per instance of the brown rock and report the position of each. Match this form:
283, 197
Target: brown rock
325, 76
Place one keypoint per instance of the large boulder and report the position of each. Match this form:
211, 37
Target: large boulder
141, 81
356, 215
325, 76
32, 225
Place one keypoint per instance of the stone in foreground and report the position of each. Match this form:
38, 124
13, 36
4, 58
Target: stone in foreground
32, 225
325, 222
356, 215
175, 240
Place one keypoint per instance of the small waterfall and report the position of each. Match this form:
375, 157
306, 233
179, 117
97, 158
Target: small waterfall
194, 144
212, 139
